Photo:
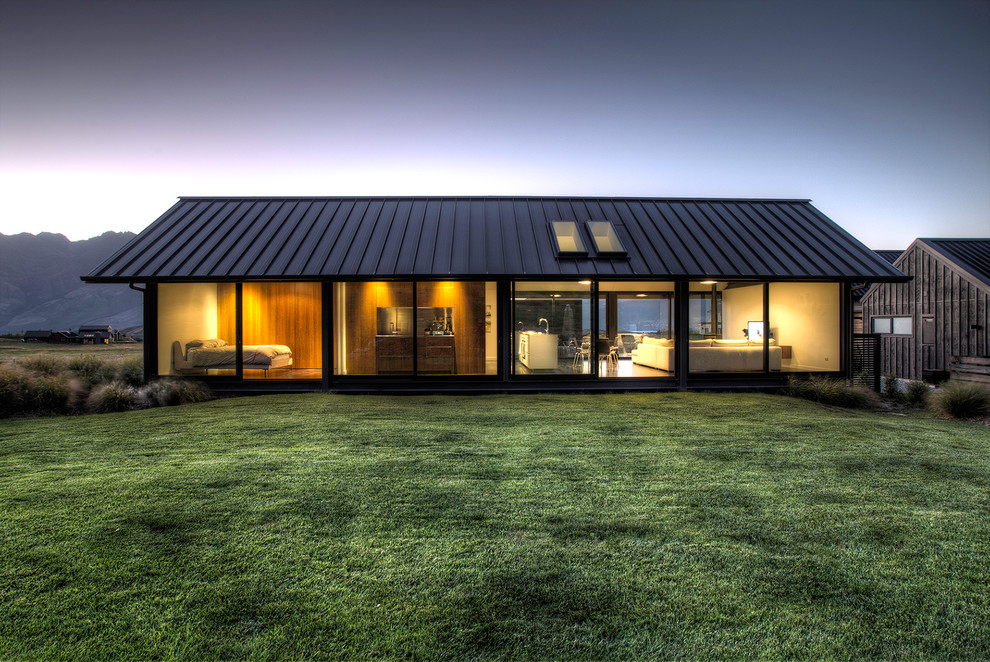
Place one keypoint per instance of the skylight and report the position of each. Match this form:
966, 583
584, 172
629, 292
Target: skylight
568, 239
606, 241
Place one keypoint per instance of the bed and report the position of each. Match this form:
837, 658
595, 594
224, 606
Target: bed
216, 354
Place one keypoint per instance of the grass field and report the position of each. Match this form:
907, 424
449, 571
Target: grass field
15, 349
657, 526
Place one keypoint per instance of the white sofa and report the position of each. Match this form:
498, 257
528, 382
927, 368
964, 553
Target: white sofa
707, 355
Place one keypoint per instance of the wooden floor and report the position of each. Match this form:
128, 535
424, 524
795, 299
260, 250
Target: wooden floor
625, 368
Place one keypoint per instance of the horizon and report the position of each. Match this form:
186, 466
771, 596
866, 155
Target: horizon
878, 112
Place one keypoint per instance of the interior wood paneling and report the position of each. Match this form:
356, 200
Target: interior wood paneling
227, 312
467, 299
285, 314
362, 301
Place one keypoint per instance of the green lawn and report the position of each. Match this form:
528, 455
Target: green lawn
653, 526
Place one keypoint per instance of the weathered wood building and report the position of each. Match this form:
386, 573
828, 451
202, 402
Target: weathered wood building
940, 315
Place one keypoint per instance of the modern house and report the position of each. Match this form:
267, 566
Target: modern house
494, 293
942, 314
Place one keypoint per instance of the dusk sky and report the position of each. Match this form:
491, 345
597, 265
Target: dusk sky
877, 111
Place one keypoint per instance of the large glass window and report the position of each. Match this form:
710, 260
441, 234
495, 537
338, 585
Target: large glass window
636, 318
374, 328
805, 325
725, 326
551, 328
282, 330
448, 329
455, 328
197, 329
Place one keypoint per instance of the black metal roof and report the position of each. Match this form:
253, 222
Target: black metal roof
889, 255
973, 255
441, 237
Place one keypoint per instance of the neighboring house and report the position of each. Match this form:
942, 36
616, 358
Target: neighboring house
859, 289
37, 335
98, 334
940, 314
497, 293
64, 337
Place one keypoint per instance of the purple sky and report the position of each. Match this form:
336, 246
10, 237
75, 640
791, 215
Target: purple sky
877, 111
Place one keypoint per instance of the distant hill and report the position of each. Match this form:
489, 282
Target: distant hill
40, 286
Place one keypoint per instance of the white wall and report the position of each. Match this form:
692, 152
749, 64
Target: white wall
806, 317
740, 305
186, 311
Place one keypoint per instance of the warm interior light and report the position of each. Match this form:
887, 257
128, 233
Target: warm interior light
584, 282
641, 295
708, 282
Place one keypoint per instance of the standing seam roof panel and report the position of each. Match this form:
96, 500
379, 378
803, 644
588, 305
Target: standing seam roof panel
240, 237
183, 242
321, 246
229, 238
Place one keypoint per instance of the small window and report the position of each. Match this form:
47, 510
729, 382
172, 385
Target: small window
897, 326
902, 326
606, 241
881, 325
568, 239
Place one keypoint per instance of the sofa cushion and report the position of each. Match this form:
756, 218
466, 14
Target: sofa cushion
699, 343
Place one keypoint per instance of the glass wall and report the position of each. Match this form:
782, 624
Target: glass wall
281, 326
805, 323
374, 328
448, 328
197, 329
637, 321
725, 327
282, 330
551, 328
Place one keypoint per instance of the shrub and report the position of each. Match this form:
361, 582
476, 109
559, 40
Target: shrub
960, 399
168, 392
54, 394
834, 392
131, 372
92, 369
22, 392
114, 396
891, 387
917, 392
15, 390
44, 364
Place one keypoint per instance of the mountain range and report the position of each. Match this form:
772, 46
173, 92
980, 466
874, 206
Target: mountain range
40, 286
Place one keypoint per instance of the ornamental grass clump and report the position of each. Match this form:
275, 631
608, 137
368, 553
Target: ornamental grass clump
23, 392
92, 369
170, 392
917, 393
44, 364
891, 387
131, 372
835, 392
112, 397
961, 399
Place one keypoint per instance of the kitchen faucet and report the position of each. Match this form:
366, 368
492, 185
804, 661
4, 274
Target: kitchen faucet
543, 320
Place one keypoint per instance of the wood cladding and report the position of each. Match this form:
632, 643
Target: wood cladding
940, 296
361, 303
285, 314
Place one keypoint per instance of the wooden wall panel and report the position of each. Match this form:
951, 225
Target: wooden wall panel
958, 304
285, 314
361, 303
467, 299
227, 312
